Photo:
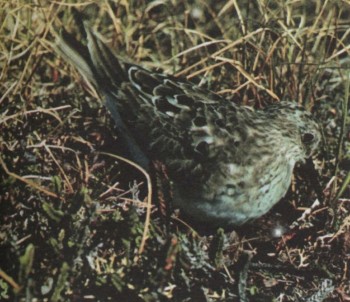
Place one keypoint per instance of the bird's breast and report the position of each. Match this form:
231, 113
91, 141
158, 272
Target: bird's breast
235, 194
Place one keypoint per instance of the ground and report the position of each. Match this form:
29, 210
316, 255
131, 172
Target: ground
74, 213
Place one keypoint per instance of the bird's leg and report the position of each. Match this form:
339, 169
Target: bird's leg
243, 264
163, 191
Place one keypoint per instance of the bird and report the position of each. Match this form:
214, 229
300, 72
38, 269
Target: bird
227, 164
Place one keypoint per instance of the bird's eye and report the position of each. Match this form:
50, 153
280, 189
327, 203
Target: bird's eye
307, 138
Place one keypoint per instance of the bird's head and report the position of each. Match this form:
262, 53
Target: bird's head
305, 127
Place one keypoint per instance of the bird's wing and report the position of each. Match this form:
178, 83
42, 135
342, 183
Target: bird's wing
169, 119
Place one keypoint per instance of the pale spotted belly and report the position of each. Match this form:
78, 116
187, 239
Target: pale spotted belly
233, 203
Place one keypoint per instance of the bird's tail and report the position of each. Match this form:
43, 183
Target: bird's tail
95, 61
98, 65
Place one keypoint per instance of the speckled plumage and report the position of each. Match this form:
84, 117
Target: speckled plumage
228, 164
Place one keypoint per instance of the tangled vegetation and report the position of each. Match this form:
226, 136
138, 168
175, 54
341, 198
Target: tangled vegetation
74, 213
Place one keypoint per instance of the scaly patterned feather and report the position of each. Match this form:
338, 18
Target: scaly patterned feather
228, 164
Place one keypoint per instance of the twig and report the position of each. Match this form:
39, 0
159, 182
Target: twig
149, 199
27, 181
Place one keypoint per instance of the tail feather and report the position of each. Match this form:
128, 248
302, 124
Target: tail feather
103, 69
107, 66
75, 53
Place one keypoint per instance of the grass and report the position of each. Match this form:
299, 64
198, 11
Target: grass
74, 213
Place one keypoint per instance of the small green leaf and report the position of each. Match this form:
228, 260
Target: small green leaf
26, 262
61, 283
54, 214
